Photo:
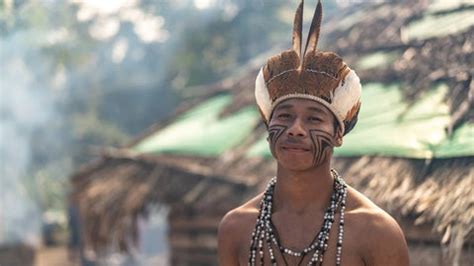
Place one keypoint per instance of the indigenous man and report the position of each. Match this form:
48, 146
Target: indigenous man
308, 215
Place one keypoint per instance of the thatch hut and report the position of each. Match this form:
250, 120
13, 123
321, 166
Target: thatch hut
411, 153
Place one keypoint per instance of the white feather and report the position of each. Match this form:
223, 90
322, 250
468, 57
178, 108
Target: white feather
262, 96
347, 95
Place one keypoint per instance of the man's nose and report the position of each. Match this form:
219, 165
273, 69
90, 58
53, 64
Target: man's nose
297, 129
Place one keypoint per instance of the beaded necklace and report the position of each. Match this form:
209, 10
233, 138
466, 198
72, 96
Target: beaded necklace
265, 231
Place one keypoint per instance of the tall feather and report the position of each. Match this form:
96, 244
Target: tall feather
298, 29
313, 35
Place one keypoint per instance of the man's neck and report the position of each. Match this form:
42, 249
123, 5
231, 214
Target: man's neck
299, 192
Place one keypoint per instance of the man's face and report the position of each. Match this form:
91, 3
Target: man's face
302, 134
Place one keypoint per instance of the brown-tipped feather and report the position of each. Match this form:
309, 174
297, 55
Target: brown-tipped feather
298, 29
313, 35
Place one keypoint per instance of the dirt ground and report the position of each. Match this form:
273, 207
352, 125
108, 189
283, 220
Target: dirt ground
53, 256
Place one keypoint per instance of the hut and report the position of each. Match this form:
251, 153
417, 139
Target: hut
411, 153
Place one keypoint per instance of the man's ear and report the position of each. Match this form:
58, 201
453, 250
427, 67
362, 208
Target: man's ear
338, 138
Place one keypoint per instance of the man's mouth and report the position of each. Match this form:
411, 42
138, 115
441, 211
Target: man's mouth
295, 149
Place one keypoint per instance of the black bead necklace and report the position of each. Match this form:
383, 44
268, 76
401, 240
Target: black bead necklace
265, 231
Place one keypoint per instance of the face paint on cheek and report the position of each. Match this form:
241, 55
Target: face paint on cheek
322, 145
274, 133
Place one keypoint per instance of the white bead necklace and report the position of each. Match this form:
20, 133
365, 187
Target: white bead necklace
265, 231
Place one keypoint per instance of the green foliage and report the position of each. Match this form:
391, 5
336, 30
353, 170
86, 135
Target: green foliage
212, 52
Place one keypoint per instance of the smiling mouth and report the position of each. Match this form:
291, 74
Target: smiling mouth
295, 149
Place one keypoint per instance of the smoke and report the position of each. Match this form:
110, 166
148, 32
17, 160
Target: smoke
64, 80
25, 106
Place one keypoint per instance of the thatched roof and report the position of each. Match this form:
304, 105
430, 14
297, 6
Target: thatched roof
395, 43
121, 186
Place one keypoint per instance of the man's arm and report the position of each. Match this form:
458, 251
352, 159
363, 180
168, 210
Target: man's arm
388, 246
227, 241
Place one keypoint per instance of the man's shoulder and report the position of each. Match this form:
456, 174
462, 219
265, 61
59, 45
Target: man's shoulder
367, 214
244, 214
376, 230
235, 230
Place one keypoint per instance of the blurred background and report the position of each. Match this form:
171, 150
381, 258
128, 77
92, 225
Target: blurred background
128, 127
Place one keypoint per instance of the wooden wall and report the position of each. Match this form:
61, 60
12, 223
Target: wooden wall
17, 255
193, 237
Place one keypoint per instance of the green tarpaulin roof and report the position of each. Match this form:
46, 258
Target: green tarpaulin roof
440, 25
387, 126
201, 132
377, 59
443, 5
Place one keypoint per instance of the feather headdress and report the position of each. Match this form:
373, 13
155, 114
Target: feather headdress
316, 75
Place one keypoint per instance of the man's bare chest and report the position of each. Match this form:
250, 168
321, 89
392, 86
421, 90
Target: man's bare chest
291, 234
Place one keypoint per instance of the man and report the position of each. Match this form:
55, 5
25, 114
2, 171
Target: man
308, 215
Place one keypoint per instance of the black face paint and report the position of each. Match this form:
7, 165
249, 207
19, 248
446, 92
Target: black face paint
274, 133
322, 145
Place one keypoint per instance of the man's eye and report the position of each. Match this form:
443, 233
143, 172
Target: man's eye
314, 118
284, 115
